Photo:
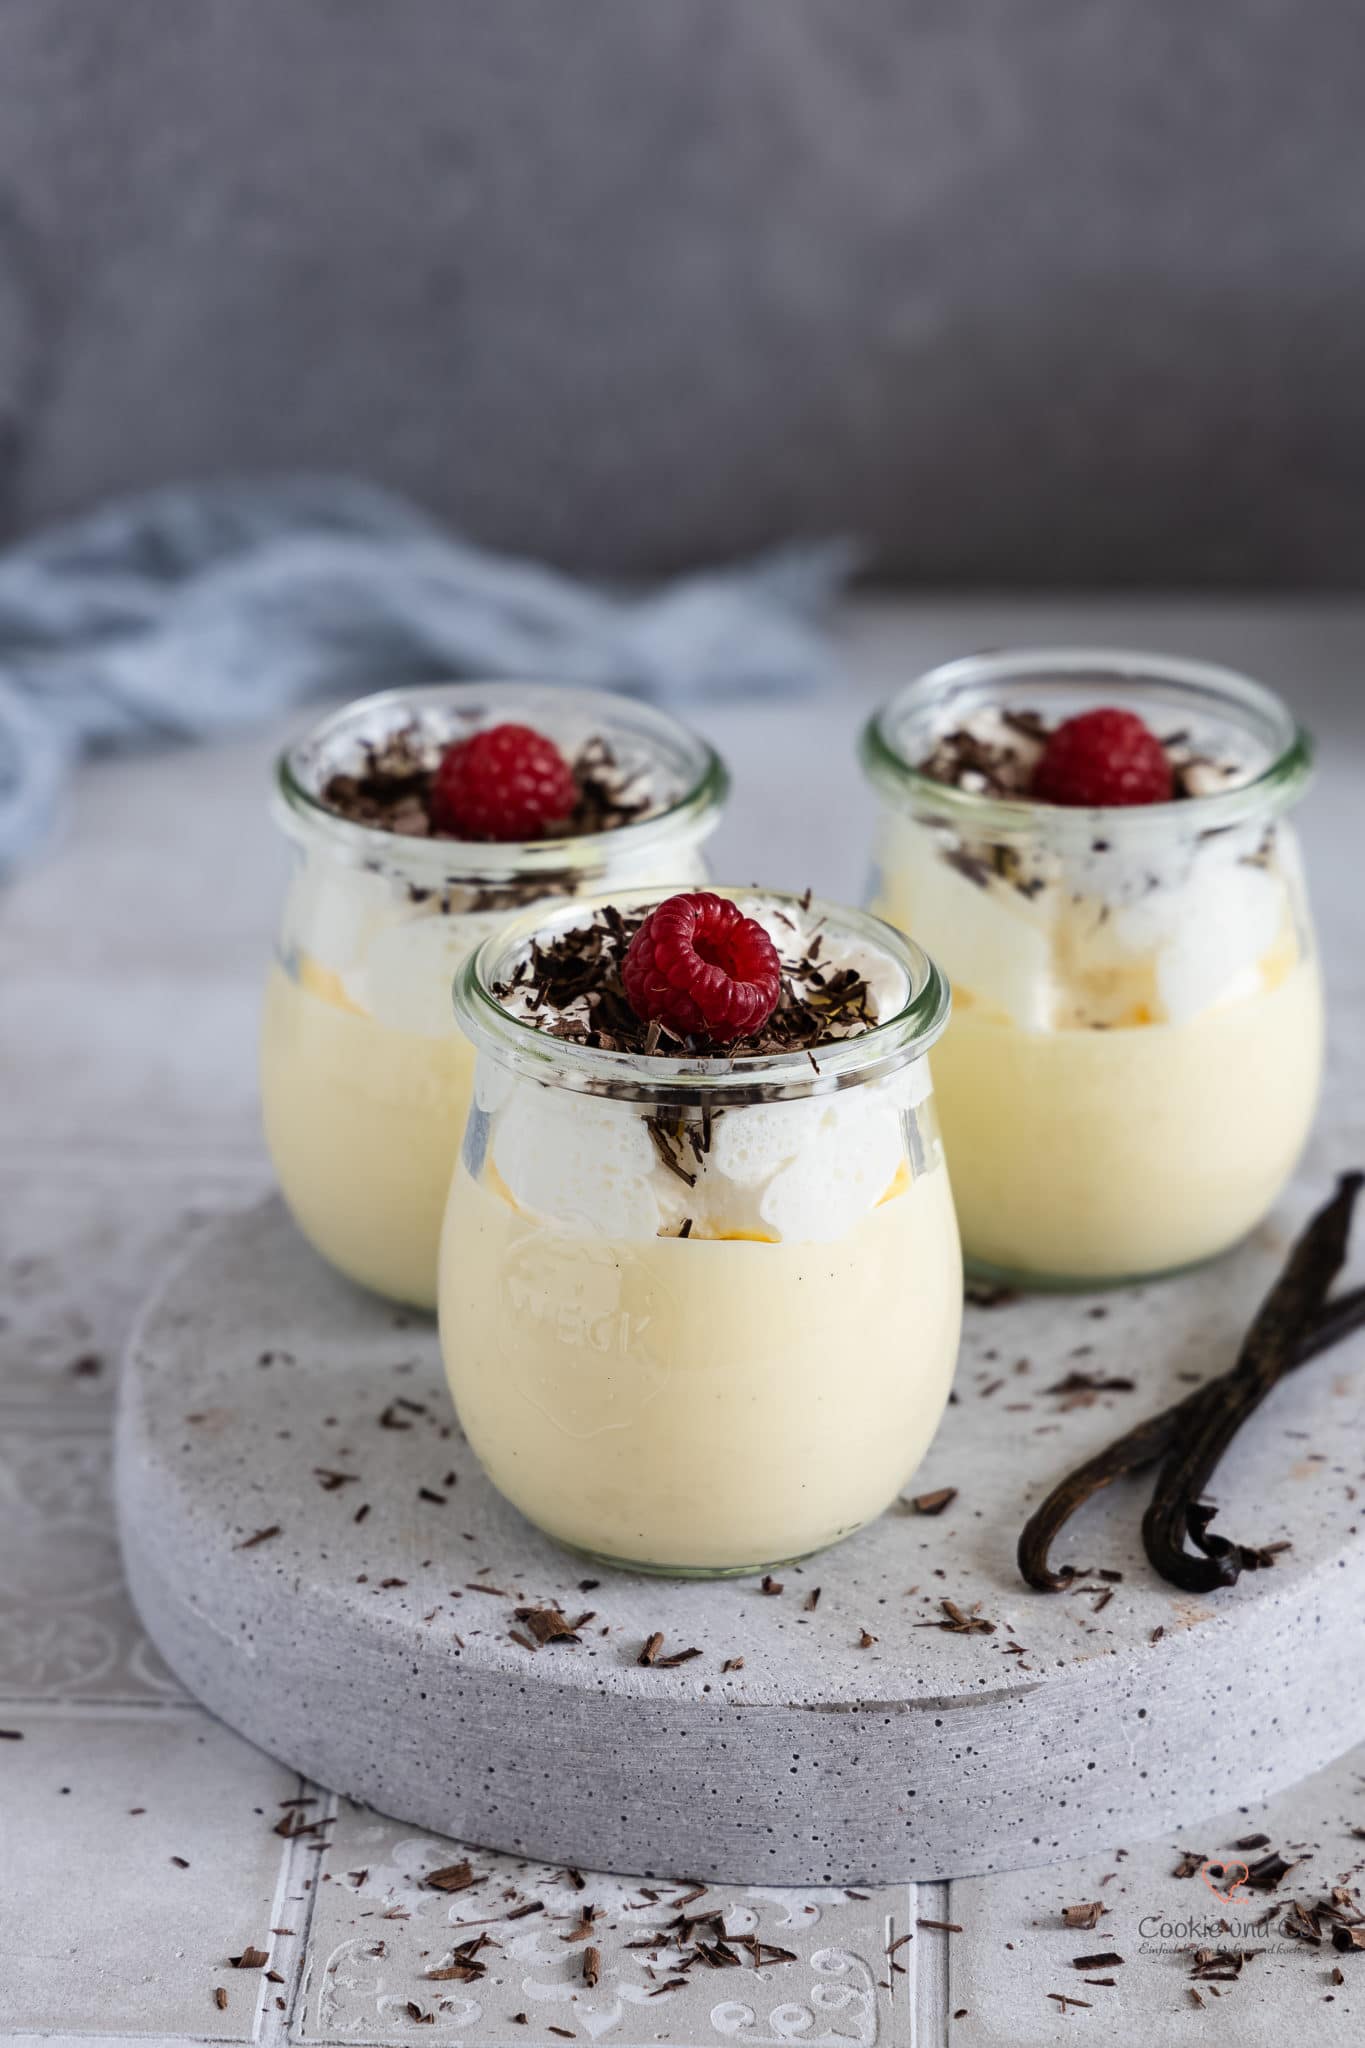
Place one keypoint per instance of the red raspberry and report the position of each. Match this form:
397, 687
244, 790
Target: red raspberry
1103, 758
703, 969
509, 782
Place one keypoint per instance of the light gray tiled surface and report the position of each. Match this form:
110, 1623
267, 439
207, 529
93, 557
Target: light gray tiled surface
129, 964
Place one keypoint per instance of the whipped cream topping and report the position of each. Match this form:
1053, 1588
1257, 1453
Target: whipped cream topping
1105, 935
805, 1170
1106, 926
394, 950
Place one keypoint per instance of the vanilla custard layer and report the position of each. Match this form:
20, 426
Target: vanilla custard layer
1109, 1154
364, 1125
702, 1405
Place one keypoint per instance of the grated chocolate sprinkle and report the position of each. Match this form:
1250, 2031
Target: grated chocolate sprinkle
390, 791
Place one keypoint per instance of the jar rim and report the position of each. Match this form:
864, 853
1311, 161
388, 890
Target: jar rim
716, 1081
1275, 786
694, 813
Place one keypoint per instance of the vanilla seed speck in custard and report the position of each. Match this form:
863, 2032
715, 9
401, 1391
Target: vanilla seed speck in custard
701, 1292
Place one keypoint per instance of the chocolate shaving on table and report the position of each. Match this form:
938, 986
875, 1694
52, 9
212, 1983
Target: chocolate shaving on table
579, 970
390, 791
1295, 1323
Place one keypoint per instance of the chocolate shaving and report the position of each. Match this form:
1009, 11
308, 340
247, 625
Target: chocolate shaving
1003, 767
650, 1657
577, 994
1107, 1961
1265, 1875
934, 1503
391, 789
955, 1622
250, 1959
1084, 1916
451, 1877
1295, 1323
258, 1536
465, 1965
1081, 1389
548, 1625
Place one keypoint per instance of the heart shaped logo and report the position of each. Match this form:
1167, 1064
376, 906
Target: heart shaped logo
1225, 1879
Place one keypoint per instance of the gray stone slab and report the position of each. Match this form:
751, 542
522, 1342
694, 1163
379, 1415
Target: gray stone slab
103, 1931
375, 1656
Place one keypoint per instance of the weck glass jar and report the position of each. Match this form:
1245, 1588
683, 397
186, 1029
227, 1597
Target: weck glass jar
365, 1076
700, 1315
1136, 1046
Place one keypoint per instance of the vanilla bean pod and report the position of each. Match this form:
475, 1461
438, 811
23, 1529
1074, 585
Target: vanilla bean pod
1160, 1435
1268, 1352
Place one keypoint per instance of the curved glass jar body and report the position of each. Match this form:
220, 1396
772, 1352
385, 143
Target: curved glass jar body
365, 1076
1136, 1045
701, 1317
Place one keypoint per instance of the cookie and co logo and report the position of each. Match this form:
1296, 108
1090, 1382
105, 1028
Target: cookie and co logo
1225, 1879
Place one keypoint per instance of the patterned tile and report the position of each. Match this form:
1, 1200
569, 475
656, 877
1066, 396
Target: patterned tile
378, 1930
78, 1254
104, 1931
67, 1628
1016, 1954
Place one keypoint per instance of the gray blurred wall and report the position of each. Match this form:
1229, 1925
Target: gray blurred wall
1025, 290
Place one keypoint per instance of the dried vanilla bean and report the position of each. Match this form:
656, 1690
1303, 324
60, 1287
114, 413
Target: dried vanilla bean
1202, 1417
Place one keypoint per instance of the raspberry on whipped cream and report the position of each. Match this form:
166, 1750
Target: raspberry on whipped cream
698, 965
1101, 758
505, 782
1107, 757
637, 981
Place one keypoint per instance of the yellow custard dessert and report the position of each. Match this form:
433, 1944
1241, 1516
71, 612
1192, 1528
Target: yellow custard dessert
1136, 1048
365, 1074
698, 1319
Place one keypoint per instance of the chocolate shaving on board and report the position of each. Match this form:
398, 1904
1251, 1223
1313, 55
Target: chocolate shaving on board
1295, 1323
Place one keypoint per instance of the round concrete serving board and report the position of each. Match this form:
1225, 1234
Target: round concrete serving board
360, 1627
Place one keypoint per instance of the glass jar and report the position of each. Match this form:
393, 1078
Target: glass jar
700, 1316
365, 1076
1136, 1045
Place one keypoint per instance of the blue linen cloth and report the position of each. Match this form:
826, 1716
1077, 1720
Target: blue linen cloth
199, 609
